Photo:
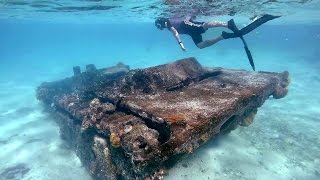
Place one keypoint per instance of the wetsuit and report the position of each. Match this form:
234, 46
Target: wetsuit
187, 26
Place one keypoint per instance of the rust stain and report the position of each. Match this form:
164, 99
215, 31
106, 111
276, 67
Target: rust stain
176, 118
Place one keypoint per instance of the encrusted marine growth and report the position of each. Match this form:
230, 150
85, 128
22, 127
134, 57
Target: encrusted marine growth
132, 123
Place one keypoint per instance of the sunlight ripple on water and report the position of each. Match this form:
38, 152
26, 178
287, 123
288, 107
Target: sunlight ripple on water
145, 10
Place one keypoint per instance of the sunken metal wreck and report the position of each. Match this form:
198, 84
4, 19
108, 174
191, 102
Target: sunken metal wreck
134, 124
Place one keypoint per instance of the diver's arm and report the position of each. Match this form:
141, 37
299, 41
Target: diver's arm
176, 35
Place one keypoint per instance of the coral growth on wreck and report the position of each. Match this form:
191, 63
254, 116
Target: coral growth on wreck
132, 124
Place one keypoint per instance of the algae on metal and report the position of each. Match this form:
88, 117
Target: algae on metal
137, 123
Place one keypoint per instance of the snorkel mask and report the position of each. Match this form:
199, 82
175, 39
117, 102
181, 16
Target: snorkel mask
161, 23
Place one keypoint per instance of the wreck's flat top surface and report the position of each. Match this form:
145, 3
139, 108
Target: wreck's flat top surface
210, 99
182, 92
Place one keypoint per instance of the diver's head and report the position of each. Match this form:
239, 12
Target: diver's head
161, 23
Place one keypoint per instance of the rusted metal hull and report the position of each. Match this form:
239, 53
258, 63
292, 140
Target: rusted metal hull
135, 124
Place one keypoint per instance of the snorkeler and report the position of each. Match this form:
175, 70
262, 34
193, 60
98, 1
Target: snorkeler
196, 29
192, 28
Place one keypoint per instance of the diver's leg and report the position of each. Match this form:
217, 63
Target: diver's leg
212, 24
209, 42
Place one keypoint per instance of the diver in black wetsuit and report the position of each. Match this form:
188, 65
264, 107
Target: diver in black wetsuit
192, 28
195, 29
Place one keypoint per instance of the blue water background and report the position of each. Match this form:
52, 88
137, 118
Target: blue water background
29, 49
282, 143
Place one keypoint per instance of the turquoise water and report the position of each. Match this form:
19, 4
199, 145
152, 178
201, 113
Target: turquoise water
282, 143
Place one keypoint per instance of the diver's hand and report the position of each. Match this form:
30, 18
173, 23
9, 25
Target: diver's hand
182, 46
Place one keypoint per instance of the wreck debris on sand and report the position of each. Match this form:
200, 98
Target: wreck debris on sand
135, 123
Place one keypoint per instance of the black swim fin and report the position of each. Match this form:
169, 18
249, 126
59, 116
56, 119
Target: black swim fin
240, 33
256, 23
232, 26
253, 25
227, 35
248, 53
